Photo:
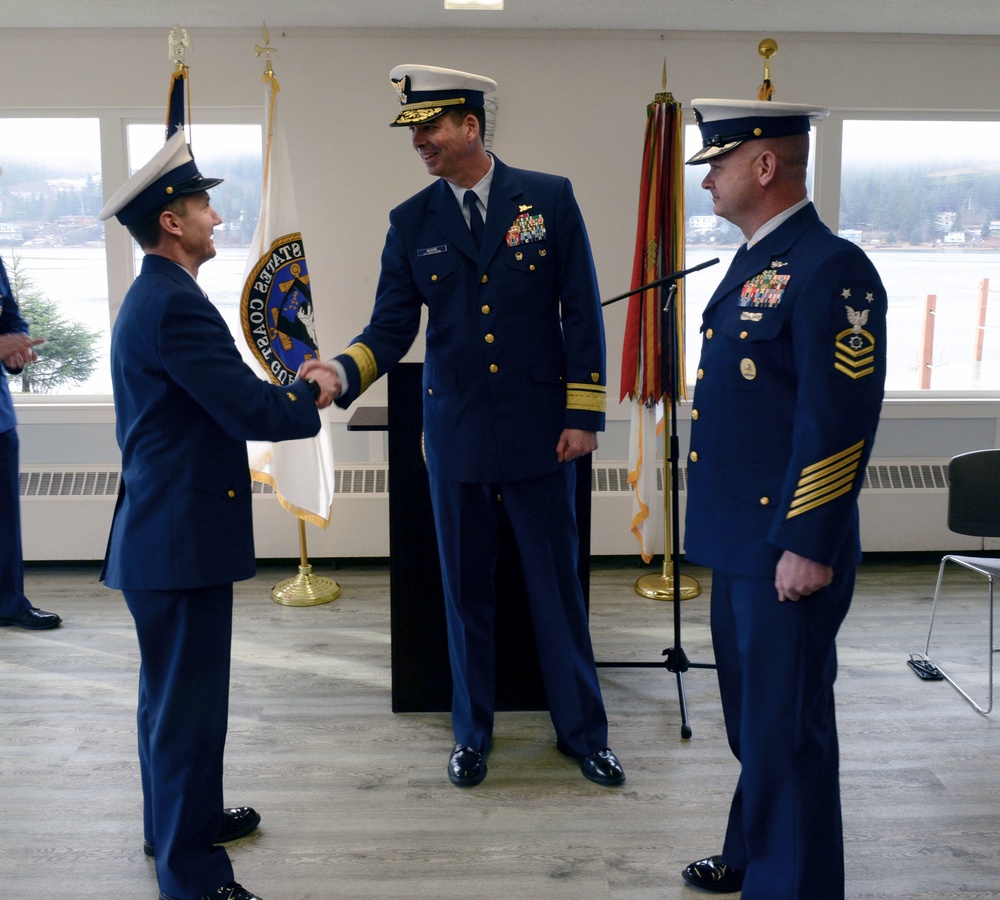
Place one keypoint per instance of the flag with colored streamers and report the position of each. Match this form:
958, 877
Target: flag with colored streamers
651, 370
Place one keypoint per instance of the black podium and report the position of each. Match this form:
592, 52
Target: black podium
421, 673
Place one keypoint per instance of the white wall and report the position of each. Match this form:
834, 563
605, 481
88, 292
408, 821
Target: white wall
570, 102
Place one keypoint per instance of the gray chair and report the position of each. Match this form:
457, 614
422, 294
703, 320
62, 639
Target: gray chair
973, 509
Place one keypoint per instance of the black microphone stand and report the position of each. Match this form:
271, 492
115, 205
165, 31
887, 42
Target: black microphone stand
675, 659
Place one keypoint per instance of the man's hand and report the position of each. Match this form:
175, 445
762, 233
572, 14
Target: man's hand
17, 349
796, 577
326, 377
574, 442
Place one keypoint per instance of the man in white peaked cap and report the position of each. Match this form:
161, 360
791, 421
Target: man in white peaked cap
784, 415
186, 403
514, 391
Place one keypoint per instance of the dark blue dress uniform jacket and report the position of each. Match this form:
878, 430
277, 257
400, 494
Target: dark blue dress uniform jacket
186, 403
787, 399
182, 533
514, 338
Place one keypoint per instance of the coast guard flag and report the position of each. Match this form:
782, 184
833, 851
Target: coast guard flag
276, 313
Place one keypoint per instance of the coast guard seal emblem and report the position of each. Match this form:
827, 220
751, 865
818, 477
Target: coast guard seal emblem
276, 310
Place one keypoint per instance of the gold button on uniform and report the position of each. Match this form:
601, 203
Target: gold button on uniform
743, 335
694, 414
231, 493
430, 391
764, 501
489, 339
484, 309
709, 334
434, 278
701, 374
693, 456
484, 279
531, 268
494, 368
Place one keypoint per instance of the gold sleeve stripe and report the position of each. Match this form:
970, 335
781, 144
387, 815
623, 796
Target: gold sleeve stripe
826, 480
364, 359
588, 397
852, 368
825, 463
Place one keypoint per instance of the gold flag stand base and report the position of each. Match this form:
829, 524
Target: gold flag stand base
661, 587
305, 589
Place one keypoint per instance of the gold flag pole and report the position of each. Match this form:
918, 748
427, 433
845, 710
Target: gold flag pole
652, 586
306, 588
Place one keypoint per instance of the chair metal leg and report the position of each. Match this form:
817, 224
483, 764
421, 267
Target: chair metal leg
991, 648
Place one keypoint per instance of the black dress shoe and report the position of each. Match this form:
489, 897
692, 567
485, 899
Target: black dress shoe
236, 823
33, 619
601, 766
231, 891
713, 874
466, 767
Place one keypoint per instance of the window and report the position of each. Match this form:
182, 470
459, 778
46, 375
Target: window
51, 240
923, 199
232, 152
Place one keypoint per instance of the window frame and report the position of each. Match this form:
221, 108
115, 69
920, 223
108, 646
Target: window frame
119, 257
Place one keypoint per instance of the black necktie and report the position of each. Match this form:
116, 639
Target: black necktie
475, 219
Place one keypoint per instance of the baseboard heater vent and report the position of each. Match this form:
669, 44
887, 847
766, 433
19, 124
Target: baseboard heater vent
373, 480
69, 484
903, 476
368, 481
610, 479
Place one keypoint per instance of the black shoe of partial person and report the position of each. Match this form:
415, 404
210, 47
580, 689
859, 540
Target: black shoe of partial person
236, 823
713, 874
231, 891
33, 618
601, 766
466, 767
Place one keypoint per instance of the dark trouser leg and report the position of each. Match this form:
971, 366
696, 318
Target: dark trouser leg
184, 640
543, 518
777, 666
465, 517
12, 599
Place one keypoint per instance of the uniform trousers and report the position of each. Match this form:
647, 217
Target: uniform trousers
542, 515
12, 599
185, 639
776, 665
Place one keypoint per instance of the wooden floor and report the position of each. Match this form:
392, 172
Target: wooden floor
356, 802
